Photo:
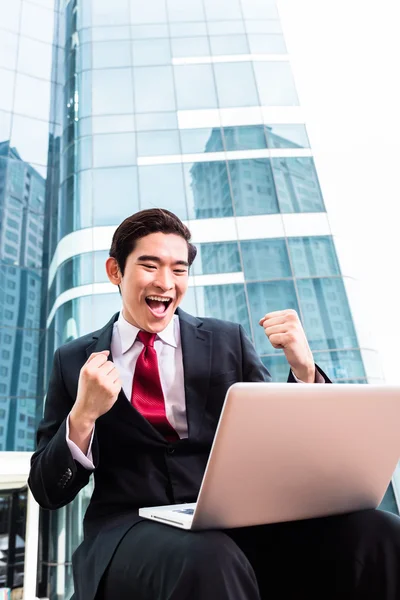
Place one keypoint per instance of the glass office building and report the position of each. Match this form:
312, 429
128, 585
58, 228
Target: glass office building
186, 105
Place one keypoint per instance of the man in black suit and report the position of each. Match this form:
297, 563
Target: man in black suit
137, 403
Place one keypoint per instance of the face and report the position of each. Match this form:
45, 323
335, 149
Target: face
154, 282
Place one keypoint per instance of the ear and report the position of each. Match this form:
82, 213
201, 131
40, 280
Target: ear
113, 272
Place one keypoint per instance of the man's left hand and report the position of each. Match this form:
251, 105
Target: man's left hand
285, 331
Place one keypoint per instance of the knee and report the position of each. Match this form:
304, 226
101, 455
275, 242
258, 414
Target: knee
379, 528
211, 552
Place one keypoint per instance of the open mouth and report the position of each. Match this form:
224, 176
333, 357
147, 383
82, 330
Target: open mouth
158, 304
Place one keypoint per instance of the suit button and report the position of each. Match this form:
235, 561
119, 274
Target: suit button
170, 450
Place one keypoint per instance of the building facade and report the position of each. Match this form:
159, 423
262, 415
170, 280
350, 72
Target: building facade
190, 106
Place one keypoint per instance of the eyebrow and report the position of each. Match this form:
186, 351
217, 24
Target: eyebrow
156, 259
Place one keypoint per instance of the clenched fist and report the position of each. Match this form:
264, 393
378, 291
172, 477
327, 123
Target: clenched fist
98, 388
284, 330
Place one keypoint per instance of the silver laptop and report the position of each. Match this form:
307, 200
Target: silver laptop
285, 452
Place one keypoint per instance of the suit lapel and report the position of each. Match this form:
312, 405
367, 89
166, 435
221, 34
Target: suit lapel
196, 351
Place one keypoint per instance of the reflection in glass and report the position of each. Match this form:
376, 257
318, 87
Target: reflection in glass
105, 100
207, 190
33, 148
282, 92
253, 187
313, 256
154, 89
153, 143
264, 298
265, 259
222, 257
278, 367
108, 124
162, 186
111, 54
236, 85
201, 140
245, 137
287, 136
227, 302
115, 193
327, 317
195, 87
345, 364
114, 149
297, 185
151, 52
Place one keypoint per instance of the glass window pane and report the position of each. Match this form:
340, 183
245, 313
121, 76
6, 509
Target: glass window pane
313, 256
263, 26
229, 44
100, 274
115, 195
105, 12
297, 185
270, 43
7, 79
197, 46
287, 136
327, 318
10, 16
5, 125
156, 121
32, 97
275, 84
111, 54
154, 143
278, 367
201, 140
265, 259
217, 258
182, 10
253, 187
341, 365
151, 52
121, 32
265, 298
188, 29
189, 303
34, 58
112, 124
254, 9
37, 22
162, 186
236, 85
227, 302
195, 87
154, 89
141, 32
114, 149
84, 195
105, 100
207, 189
148, 12
33, 147
222, 10
8, 48
247, 137
225, 27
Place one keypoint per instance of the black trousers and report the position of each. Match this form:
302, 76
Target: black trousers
354, 556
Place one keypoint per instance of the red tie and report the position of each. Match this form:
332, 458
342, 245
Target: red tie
147, 395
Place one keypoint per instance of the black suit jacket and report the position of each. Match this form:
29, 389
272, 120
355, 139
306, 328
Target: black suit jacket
134, 465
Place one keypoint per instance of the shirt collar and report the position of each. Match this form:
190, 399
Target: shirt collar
128, 333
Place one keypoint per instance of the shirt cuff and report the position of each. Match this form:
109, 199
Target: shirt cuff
318, 377
77, 454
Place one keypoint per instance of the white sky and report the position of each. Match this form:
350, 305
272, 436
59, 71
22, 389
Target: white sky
345, 56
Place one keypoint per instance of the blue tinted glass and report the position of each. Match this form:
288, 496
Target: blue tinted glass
182, 10
188, 29
111, 54
162, 186
18, 426
115, 195
327, 318
114, 149
103, 34
269, 43
217, 258
100, 274
83, 200
229, 44
297, 185
227, 302
153, 143
283, 90
148, 12
253, 187
195, 87
278, 367
225, 27
188, 303
154, 89
142, 32
247, 137
85, 314
343, 365
74, 272
265, 298
313, 256
265, 259
201, 140
236, 85
110, 13
156, 121
20, 298
222, 9
186, 46
104, 99
151, 52
207, 189
108, 124
287, 136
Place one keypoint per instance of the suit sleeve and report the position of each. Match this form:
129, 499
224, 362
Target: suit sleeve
55, 477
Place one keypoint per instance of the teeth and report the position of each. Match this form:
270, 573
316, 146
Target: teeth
158, 298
